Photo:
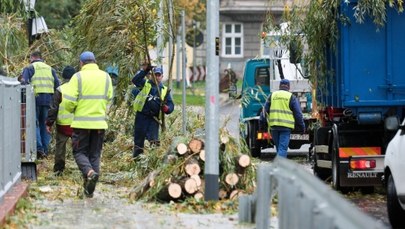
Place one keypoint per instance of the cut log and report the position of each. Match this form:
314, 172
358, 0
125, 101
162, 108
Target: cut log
235, 194
181, 148
196, 145
231, 179
222, 194
202, 155
178, 145
145, 184
170, 192
199, 196
192, 167
197, 179
189, 185
243, 160
170, 159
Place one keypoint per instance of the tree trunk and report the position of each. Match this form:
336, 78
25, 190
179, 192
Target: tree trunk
192, 167
170, 192
222, 194
189, 185
243, 160
196, 145
231, 179
146, 183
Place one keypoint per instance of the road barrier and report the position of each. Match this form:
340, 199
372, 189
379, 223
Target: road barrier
10, 155
304, 201
17, 131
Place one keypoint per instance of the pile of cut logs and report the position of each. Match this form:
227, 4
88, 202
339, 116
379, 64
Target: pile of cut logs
181, 174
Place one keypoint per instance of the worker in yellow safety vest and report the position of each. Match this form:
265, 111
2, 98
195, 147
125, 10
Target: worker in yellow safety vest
152, 101
282, 112
57, 113
88, 93
45, 81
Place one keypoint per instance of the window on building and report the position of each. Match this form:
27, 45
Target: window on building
232, 40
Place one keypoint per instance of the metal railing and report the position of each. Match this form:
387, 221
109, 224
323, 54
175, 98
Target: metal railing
304, 201
17, 131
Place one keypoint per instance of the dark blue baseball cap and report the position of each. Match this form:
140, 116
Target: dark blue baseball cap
285, 84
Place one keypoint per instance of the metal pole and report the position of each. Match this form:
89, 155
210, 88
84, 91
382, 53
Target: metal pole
178, 71
170, 42
183, 48
211, 103
194, 51
160, 35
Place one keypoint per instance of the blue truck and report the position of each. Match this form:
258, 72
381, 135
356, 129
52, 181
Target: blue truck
260, 77
360, 102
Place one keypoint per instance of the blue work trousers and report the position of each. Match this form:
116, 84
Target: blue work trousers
146, 128
281, 139
43, 137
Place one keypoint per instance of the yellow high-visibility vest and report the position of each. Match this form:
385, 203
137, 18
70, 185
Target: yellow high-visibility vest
64, 117
280, 113
42, 80
88, 94
143, 94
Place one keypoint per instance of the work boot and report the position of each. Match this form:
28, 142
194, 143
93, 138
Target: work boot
90, 184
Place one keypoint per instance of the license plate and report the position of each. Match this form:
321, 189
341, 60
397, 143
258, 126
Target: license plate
299, 136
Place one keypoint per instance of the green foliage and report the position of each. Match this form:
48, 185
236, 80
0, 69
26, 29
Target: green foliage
58, 14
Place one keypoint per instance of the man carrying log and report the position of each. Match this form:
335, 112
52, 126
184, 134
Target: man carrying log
153, 99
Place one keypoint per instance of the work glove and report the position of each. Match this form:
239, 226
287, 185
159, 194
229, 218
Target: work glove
148, 68
165, 109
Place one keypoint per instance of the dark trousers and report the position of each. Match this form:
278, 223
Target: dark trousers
146, 127
87, 146
60, 151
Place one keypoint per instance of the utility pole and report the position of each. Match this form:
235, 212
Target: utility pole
194, 51
211, 102
160, 35
183, 48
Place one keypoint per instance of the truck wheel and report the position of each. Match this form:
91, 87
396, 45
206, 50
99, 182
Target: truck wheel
321, 173
251, 139
395, 213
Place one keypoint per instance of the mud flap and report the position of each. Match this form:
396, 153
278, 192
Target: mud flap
29, 170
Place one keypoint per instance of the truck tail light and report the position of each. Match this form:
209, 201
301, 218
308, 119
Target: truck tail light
263, 136
362, 164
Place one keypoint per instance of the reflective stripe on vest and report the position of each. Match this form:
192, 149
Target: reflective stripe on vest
280, 113
143, 94
64, 117
42, 80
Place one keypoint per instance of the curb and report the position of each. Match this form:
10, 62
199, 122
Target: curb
9, 203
